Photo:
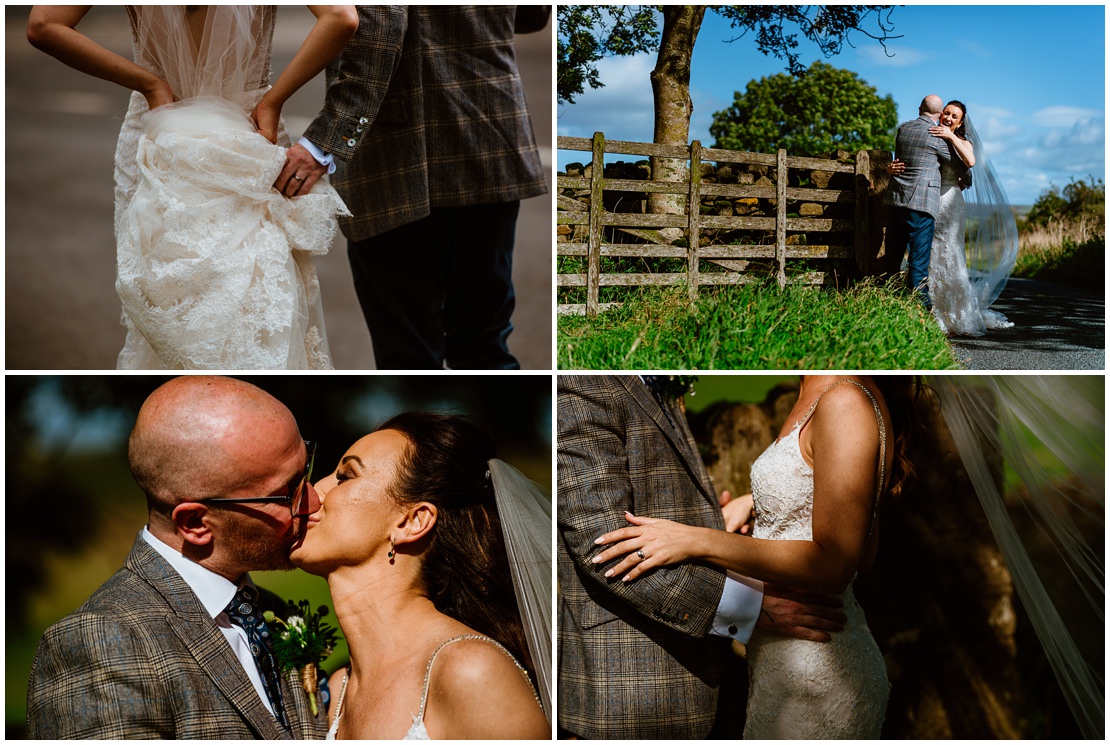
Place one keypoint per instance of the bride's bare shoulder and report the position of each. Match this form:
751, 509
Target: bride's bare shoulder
478, 689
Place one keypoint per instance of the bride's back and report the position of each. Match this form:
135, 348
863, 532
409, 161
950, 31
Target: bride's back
205, 50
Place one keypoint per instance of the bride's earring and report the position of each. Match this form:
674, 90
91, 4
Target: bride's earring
392, 551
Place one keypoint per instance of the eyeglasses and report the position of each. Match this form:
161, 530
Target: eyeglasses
297, 499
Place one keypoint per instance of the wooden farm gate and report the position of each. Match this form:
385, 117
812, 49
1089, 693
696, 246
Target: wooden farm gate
591, 218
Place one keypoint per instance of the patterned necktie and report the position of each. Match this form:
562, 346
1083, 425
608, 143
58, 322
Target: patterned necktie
243, 612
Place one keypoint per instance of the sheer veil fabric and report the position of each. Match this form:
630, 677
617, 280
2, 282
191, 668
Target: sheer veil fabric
525, 513
1046, 428
992, 238
214, 267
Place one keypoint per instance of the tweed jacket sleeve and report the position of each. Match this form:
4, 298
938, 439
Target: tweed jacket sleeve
453, 129
617, 451
358, 81
121, 701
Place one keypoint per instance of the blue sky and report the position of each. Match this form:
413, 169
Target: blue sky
1033, 78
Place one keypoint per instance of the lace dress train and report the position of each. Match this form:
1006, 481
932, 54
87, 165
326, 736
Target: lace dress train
214, 267
957, 303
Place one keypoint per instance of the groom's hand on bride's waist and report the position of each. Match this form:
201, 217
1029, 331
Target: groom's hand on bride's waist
801, 613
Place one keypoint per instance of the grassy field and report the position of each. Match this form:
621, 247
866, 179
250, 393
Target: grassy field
758, 327
1068, 251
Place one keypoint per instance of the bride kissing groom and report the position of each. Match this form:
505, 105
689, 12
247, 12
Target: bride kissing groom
430, 544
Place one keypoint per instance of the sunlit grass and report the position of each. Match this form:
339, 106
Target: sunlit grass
758, 327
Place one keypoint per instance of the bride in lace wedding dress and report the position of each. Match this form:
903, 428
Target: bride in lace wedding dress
214, 267
816, 493
967, 272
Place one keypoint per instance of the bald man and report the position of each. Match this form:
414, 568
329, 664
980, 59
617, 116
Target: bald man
172, 645
915, 193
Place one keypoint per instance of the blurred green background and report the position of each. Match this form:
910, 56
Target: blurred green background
73, 511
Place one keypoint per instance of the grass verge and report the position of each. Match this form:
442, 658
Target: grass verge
758, 327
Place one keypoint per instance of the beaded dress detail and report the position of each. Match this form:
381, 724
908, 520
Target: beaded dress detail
417, 731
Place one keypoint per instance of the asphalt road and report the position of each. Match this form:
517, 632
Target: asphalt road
1055, 328
61, 309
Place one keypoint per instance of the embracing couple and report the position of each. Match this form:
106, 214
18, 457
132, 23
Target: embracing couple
420, 532
217, 218
655, 576
934, 156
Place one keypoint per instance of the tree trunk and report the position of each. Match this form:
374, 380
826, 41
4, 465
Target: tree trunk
670, 83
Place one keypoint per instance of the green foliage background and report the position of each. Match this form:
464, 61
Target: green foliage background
826, 109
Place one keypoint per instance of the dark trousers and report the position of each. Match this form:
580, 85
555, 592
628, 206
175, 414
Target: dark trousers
440, 290
912, 231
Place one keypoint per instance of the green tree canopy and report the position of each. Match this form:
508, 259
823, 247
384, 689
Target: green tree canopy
823, 110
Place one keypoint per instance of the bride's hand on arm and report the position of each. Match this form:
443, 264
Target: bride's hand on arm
738, 514
663, 543
53, 29
963, 147
335, 25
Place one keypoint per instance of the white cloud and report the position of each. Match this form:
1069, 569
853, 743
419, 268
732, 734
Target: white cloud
1063, 116
623, 109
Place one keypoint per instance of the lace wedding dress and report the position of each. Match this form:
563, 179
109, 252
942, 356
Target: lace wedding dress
214, 267
957, 305
802, 690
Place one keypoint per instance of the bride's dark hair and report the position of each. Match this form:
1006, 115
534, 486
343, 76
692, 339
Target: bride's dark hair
466, 568
906, 398
961, 131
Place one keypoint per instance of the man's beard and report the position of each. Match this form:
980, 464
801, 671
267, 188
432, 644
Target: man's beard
257, 546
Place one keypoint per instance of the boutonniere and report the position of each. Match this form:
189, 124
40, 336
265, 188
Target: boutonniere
676, 386
303, 642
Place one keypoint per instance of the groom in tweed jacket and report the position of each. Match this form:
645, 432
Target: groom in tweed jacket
151, 655
645, 660
915, 193
426, 113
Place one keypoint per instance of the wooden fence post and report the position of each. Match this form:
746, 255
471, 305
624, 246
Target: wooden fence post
780, 220
693, 209
862, 223
597, 209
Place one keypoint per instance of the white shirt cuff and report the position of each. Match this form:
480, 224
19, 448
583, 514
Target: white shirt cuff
739, 608
324, 159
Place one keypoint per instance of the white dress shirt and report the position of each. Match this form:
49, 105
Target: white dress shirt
214, 593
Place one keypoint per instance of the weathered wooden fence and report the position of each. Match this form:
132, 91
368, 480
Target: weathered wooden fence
590, 218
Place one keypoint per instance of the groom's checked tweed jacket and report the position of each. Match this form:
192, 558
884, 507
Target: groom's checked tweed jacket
918, 187
634, 661
142, 659
424, 109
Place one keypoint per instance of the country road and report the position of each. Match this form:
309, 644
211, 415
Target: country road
1055, 328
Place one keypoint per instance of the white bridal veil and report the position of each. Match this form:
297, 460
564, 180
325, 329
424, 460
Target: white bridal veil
992, 238
1050, 430
526, 521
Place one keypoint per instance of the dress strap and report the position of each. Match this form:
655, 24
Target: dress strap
461, 637
882, 440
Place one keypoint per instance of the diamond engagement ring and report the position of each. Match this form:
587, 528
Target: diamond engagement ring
299, 179
640, 553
